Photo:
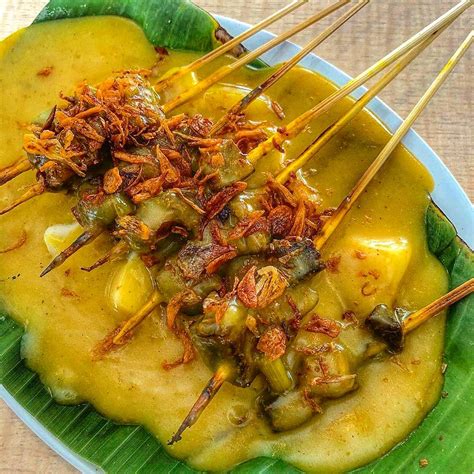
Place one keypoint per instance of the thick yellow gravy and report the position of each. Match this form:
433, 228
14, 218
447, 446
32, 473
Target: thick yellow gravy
67, 313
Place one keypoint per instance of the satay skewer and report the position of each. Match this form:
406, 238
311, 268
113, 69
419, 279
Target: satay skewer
332, 223
319, 241
224, 71
295, 127
228, 46
84, 239
30, 193
391, 328
10, 172
222, 374
287, 66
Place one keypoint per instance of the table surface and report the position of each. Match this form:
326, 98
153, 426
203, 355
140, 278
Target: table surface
446, 125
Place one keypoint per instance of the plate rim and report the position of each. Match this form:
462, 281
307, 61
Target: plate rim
448, 194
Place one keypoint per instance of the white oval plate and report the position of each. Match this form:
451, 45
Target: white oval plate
448, 194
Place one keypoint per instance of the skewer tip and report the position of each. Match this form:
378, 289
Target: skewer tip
115, 252
14, 170
210, 391
84, 239
32, 192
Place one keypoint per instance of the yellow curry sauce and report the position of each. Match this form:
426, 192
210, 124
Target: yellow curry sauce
380, 250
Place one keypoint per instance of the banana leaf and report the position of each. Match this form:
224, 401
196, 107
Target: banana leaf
446, 435
175, 24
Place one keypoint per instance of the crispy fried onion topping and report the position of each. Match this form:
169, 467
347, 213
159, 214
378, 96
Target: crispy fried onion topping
194, 260
189, 352
249, 225
47, 145
217, 202
292, 210
323, 326
272, 343
112, 180
184, 298
218, 306
132, 226
258, 289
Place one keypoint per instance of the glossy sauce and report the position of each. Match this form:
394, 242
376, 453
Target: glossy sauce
67, 313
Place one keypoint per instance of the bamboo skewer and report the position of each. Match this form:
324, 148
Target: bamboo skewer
419, 317
152, 303
84, 239
30, 193
221, 375
287, 66
360, 104
119, 335
14, 170
299, 124
332, 223
221, 50
248, 58
416, 319
115, 252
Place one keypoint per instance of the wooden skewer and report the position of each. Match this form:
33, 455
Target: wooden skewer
30, 193
417, 318
331, 131
120, 335
14, 170
222, 374
84, 239
332, 223
248, 58
117, 251
221, 50
153, 302
275, 77
299, 124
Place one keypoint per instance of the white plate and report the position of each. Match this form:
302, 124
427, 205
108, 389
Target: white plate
448, 194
